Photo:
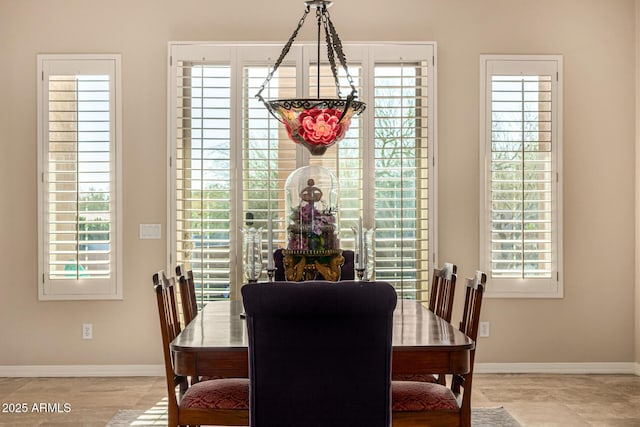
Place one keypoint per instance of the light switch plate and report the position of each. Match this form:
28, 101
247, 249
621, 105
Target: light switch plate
484, 329
150, 231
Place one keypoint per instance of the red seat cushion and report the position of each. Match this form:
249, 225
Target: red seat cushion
421, 396
217, 377
426, 378
227, 393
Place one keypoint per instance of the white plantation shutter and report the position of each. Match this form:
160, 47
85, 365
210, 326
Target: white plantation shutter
78, 203
522, 201
392, 192
204, 181
346, 158
254, 157
401, 164
268, 157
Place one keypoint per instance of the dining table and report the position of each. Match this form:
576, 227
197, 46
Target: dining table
215, 342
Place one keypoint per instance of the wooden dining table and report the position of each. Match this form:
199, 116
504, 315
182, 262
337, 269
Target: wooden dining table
215, 342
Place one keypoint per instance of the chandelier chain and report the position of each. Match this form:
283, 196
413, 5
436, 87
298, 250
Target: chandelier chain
334, 49
285, 51
292, 112
331, 57
337, 45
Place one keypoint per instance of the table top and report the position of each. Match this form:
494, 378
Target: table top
215, 342
219, 326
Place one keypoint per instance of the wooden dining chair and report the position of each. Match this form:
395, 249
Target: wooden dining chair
222, 402
441, 294
188, 299
421, 403
320, 353
189, 305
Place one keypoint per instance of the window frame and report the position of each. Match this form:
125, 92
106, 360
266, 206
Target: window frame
181, 51
551, 287
81, 288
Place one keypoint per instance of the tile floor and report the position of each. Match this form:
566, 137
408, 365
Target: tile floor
534, 400
562, 400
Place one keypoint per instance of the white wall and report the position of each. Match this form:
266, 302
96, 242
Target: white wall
593, 323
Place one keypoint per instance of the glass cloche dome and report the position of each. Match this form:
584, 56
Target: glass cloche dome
311, 195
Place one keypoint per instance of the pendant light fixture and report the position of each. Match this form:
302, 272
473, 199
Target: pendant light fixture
317, 123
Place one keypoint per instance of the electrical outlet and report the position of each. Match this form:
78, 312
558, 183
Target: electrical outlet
87, 331
484, 329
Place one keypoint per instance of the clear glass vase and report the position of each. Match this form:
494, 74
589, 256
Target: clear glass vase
364, 257
252, 253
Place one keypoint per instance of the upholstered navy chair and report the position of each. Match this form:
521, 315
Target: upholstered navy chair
319, 353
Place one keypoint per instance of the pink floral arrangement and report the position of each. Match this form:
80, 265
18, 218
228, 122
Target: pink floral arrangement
319, 126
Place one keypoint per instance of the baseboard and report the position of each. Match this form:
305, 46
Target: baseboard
82, 371
558, 368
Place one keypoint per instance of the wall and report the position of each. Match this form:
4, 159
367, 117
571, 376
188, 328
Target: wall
593, 323
637, 177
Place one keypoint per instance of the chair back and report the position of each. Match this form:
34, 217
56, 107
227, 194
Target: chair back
170, 328
320, 353
472, 303
469, 325
187, 294
443, 286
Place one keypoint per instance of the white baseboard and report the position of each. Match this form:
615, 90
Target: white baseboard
558, 368
158, 370
82, 371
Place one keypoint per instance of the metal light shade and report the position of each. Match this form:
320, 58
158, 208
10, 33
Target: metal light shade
317, 124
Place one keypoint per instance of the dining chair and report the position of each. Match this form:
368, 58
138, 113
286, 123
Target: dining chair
220, 402
423, 403
188, 300
319, 353
441, 294
189, 305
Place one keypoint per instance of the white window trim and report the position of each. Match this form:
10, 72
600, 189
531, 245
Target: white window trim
81, 289
521, 288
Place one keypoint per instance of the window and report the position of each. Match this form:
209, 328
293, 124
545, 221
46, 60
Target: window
230, 159
521, 200
79, 146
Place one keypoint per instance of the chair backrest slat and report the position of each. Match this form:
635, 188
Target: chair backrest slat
472, 304
443, 285
188, 299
